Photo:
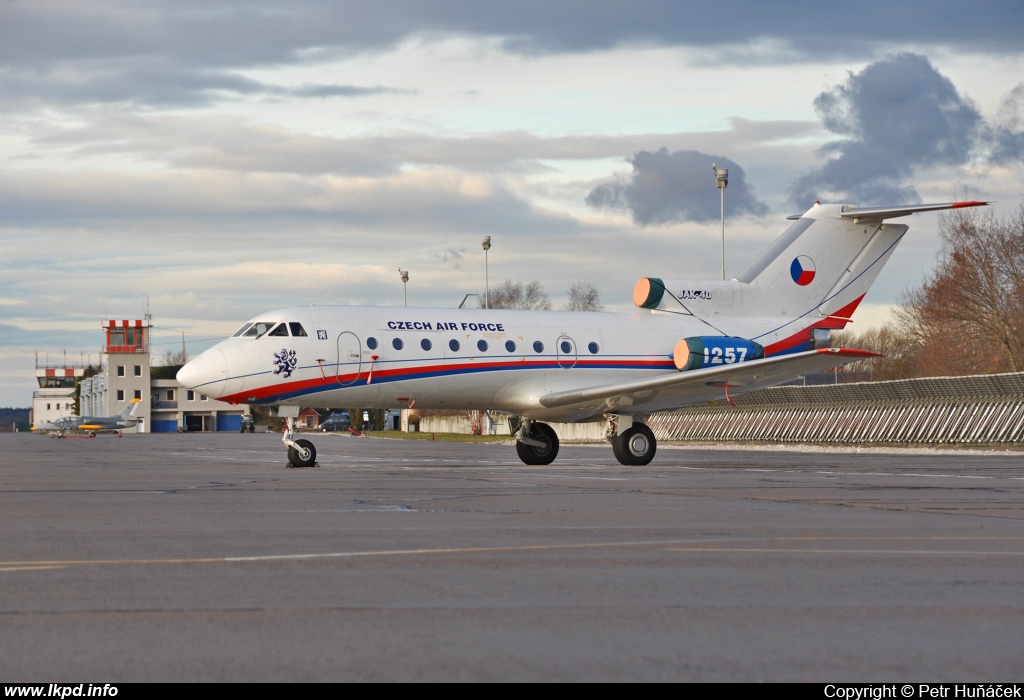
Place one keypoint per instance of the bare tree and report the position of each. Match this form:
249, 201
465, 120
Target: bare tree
516, 295
174, 359
898, 349
583, 296
968, 315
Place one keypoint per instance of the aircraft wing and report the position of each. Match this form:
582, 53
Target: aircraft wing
681, 388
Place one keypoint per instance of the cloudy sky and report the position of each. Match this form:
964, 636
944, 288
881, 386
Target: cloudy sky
222, 158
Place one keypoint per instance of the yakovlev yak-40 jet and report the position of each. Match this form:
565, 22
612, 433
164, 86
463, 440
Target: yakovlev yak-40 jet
93, 424
688, 342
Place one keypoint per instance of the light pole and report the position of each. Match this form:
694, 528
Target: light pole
404, 274
487, 281
722, 180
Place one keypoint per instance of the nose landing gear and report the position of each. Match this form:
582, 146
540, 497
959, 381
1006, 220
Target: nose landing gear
301, 453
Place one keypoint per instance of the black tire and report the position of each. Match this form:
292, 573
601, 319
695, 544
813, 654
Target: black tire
304, 456
252, 428
539, 455
635, 447
242, 429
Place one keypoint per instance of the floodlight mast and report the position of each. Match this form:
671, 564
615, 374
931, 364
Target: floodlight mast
404, 274
722, 180
487, 282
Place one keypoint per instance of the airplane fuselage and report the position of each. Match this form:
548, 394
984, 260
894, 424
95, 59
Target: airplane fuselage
437, 358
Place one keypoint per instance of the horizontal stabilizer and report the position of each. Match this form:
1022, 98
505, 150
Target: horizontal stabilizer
859, 214
728, 376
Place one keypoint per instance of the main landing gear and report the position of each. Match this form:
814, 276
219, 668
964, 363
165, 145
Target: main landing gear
301, 453
536, 443
634, 446
633, 443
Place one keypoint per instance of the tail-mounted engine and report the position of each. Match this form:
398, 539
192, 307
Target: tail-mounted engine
714, 351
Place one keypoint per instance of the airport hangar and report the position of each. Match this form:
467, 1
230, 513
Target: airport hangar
126, 374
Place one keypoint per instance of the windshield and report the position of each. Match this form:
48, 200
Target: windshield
259, 328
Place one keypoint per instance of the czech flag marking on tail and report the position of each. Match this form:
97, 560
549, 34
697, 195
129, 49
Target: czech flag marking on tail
802, 270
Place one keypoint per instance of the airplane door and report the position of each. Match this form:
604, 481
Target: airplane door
349, 358
565, 349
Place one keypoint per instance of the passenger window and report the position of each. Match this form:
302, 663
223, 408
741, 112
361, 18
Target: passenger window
281, 330
258, 329
241, 330
297, 330
593, 348
454, 345
371, 343
538, 346
566, 347
510, 346
426, 344
482, 345
397, 344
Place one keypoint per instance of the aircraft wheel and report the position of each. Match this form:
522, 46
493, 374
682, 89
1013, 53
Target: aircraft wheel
636, 446
252, 428
302, 456
539, 455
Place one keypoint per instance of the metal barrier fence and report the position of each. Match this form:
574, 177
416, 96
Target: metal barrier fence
980, 410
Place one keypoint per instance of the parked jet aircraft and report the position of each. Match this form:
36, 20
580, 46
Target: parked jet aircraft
93, 424
689, 341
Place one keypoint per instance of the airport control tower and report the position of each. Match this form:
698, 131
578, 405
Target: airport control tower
56, 393
126, 374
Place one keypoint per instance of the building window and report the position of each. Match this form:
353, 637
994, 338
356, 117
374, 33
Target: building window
138, 394
120, 394
47, 407
138, 370
120, 370
170, 394
203, 397
190, 395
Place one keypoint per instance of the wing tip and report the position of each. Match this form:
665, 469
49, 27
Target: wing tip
849, 352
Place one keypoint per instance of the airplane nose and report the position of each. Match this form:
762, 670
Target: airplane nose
206, 373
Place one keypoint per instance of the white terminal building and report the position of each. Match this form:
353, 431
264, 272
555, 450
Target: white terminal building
56, 394
165, 406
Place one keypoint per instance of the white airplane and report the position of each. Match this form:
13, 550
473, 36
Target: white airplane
688, 342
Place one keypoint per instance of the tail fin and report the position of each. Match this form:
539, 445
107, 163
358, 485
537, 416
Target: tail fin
129, 410
812, 276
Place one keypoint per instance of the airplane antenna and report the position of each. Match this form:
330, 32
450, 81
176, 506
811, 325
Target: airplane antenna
690, 313
722, 180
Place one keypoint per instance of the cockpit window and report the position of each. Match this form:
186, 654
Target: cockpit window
297, 330
241, 330
258, 329
280, 330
